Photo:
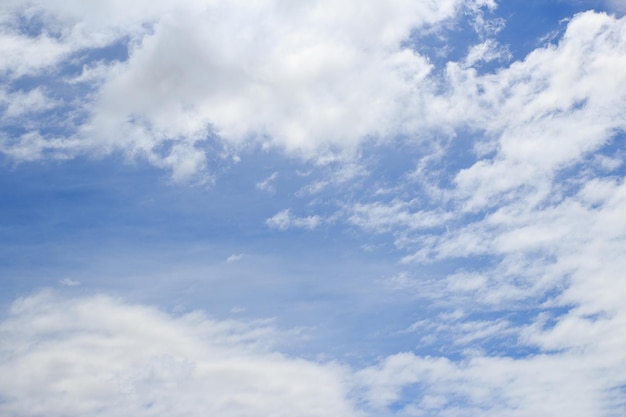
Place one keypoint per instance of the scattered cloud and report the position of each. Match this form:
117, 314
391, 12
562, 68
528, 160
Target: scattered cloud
234, 257
285, 78
21, 103
69, 282
539, 385
268, 183
505, 209
153, 363
284, 220
381, 217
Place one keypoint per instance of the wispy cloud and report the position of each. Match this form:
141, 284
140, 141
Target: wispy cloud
234, 257
268, 183
69, 282
285, 220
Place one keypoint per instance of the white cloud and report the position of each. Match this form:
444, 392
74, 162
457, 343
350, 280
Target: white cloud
337, 171
545, 113
98, 356
68, 282
291, 76
24, 55
542, 385
536, 223
487, 51
396, 214
284, 220
297, 77
268, 183
447, 328
286, 79
24, 102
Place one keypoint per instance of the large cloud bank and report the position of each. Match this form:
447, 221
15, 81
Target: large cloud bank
308, 77
96, 356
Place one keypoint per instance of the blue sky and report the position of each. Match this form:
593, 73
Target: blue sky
391, 208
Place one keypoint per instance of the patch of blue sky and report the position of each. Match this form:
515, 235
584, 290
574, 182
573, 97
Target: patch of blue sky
105, 224
74, 66
517, 27
229, 213
33, 25
451, 41
534, 23
60, 121
409, 395
607, 163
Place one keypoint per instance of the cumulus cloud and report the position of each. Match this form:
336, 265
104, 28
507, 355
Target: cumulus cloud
382, 217
487, 51
296, 78
307, 78
99, 356
535, 220
557, 110
539, 111
268, 183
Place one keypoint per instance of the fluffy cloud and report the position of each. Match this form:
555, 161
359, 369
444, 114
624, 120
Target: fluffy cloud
297, 77
308, 77
98, 356
535, 214
536, 222
284, 220
542, 184
545, 113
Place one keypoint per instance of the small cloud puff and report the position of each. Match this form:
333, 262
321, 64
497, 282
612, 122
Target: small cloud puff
284, 220
234, 257
268, 183
69, 282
